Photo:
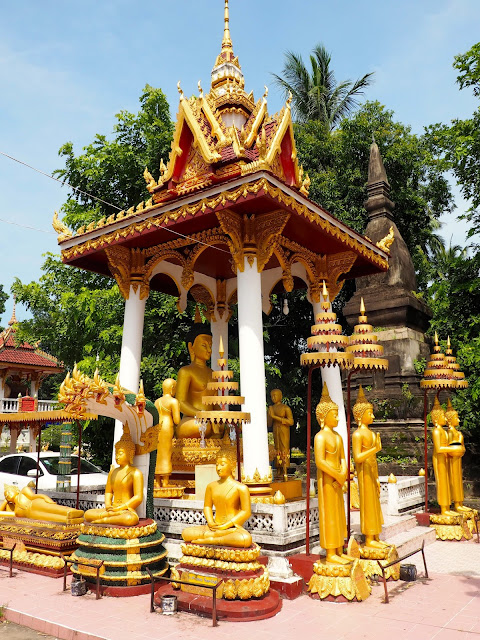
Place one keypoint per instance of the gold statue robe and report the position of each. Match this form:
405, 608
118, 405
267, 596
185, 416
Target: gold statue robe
331, 509
440, 467
455, 466
371, 517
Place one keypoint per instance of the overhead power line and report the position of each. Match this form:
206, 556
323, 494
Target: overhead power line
90, 195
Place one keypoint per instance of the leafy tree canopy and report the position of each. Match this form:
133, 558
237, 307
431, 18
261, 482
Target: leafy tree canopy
316, 95
337, 163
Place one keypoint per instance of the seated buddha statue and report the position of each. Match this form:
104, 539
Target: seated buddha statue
124, 488
331, 475
26, 503
365, 445
192, 383
455, 438
442, 452
231, 500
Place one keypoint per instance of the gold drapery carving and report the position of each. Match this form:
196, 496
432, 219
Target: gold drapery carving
252, 236
128, 268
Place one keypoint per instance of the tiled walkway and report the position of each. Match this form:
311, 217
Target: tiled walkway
446, 607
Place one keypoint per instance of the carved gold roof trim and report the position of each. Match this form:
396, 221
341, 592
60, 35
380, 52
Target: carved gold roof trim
255, 125
230, 196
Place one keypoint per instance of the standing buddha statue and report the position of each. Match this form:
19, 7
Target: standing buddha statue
168, 408
331, 475
455, 438
365, 445
442, 451
280, 419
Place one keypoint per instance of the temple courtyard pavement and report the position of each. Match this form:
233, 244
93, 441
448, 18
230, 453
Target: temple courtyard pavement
444, 607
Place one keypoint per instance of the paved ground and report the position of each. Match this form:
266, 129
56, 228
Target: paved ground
445, 607
12, 631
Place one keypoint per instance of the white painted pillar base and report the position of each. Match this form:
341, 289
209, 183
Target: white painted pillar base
131, 354
252, 370
331, 375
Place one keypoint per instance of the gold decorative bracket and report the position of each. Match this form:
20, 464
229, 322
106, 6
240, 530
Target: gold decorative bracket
252, 236
129, 268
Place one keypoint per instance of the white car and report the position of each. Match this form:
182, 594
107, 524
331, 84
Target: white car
19, 469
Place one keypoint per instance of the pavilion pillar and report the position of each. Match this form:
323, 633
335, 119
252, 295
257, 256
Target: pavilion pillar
131, 353
14, 433
333, 379
256, 464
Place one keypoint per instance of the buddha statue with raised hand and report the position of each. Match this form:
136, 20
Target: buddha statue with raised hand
280, 420
365, 445
124, 488
442, 452
231, 501
455, 438
331, 475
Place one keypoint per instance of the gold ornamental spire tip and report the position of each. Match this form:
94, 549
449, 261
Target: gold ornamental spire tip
221, 350
325, 291
227, 40
448, 342
436, 338
13, 320
362, 307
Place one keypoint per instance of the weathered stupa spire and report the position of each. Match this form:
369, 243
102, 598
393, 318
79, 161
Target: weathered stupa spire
378, 203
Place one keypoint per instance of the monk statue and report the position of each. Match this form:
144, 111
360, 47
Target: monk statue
331, 475
26, 503
231, 500
124, 489
455, 438
280, 419
442, 452
192, 383
365, 445
168, 408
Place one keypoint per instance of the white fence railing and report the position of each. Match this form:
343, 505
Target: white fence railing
10, 405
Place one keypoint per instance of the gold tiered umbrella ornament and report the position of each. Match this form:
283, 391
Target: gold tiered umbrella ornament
221, 395
324, 342
438, 375
457, 373
367, 356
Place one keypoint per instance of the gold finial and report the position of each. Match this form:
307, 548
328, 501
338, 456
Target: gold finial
266, 92
325, 405
289, 99
392, 479
227, 40
362, 307
200, 90
180, 90
221, 350
448, 343
385, 243
436, 339
63, 231
163, 168
422, 472
13, 319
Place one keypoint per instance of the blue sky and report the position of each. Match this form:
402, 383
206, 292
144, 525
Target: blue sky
66, 68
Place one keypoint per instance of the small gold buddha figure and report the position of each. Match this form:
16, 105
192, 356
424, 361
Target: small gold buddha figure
365, 445
37, 506
455, 438
442, 452
192, 383
280, 419
168, 408
231, 500
331, 475
124, 489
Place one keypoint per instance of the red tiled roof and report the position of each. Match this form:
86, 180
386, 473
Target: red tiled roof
228, 154
25, 353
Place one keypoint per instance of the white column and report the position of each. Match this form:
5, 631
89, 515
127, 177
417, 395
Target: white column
252, 370
331, 375
131, 353
34, 385
219, 328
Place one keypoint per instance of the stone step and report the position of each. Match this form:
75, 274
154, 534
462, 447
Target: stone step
392, 526
410, 540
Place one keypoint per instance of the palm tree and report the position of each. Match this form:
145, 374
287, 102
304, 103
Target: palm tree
316, 94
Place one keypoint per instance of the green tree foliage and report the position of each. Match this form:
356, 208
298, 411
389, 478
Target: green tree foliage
337, 163
3, 299
316, 95
112, 170
459, 142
